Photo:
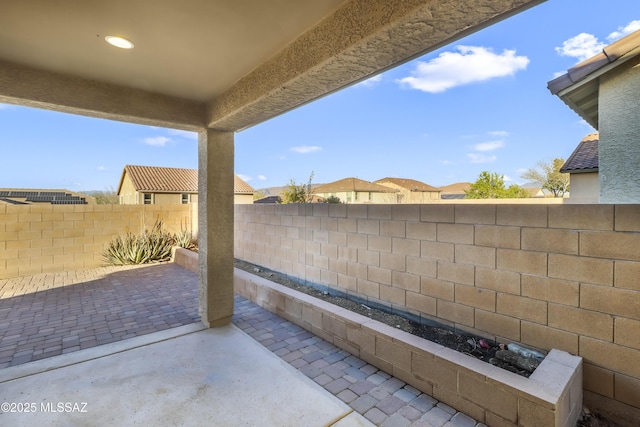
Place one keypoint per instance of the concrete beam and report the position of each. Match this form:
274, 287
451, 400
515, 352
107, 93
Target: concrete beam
43, 89
215, 226
360, 39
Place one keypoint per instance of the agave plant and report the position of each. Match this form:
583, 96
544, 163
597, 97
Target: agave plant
185, 239
150, 246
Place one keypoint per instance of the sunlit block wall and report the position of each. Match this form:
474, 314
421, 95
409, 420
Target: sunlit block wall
51, 238
549, 276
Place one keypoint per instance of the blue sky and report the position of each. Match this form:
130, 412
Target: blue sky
478, 104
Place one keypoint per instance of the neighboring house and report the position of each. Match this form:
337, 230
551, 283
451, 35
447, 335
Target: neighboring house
154, 185
17, 196
455, 191
410, 190
605, 91
356, 191
582, 167
534, 190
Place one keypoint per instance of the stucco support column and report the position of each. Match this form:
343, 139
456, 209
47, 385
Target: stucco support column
619, 126
215, 226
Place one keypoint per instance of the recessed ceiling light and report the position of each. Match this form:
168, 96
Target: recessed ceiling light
120, 42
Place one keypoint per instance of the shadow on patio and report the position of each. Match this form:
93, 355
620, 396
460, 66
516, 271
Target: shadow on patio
51, 314
156, 351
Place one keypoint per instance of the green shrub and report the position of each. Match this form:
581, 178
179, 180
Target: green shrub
150, 246
333, 200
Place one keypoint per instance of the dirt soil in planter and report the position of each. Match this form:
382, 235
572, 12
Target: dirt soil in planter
467, 344
480, 348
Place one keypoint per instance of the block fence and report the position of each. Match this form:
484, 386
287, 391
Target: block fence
51, 238
550, 397
546, 276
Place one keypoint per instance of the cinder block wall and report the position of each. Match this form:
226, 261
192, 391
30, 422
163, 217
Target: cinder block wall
51, 238
548, 276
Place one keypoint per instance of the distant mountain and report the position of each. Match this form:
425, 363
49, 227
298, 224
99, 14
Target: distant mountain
277, 191
271, 191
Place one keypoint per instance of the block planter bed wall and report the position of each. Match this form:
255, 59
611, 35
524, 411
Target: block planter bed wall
551, 396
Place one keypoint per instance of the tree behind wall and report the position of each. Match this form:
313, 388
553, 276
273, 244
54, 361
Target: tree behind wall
297, 193
548, 175
491, 186
107, 197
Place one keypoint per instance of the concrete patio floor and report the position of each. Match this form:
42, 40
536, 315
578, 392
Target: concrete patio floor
186, 376
160, 366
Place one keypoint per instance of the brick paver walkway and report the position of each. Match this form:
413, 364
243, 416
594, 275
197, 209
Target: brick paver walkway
51, 314
384, 400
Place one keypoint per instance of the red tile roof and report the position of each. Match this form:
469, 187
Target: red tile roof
352, 184
409, 184
458, 187
158, 179
240, 186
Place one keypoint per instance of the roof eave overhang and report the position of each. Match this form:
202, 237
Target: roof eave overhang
356, 41
156, 191
574, 171
582, 94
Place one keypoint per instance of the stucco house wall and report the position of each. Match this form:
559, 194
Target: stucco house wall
128, 194
172, 198
605, 91
406, 196
238, 199
169, 186
360, 197
619, 126
585, 188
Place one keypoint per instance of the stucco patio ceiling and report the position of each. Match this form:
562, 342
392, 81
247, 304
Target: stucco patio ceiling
216, 63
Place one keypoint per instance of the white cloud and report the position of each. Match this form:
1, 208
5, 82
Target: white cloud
470, 64
489, 146
184, 134
372, 81
623, 31
445, 162
304, 149
480, 158
157, 141
262, 177
499, 133
102, 168
244, 177
507, 178
583, 46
